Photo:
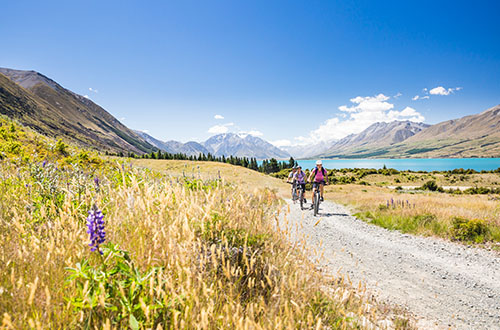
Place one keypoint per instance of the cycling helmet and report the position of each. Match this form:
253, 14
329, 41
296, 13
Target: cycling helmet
319, 162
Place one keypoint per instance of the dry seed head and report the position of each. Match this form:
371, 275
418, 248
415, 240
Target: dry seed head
33, 287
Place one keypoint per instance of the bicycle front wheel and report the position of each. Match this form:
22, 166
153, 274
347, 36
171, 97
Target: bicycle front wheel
316, 204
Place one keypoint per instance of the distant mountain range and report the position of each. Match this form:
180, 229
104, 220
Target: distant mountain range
191, 148
377, 135
226, 144
470, 136
42, 104
45, 106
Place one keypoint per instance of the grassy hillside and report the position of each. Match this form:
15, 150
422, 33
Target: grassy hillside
59, 113
245, 178
179, 251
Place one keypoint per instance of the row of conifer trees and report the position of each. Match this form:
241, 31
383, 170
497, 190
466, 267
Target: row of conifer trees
267, 166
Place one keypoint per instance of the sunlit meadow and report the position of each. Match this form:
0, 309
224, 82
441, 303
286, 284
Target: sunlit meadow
98, 244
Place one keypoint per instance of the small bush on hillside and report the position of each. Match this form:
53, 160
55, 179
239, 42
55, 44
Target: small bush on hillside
470, 230
432, 186
62, 147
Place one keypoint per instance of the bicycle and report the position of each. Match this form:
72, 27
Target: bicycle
300, 194
316, 198
294, 191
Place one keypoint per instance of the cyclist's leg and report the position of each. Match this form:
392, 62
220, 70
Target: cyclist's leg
312, 192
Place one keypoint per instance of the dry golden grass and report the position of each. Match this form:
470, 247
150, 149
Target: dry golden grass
243, 177
444, 207
217, 260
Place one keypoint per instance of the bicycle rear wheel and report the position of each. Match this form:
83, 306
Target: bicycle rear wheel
301, 198
316, 203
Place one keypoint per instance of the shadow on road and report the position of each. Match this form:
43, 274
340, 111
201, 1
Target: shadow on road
333, 214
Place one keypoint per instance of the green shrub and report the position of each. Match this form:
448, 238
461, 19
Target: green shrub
61, 147
431, 185
470, 230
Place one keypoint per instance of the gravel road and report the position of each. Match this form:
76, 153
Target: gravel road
442, 283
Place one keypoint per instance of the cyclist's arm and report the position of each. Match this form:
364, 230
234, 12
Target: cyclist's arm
310, 176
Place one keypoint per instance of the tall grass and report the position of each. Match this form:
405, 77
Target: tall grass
426, 213
179, 253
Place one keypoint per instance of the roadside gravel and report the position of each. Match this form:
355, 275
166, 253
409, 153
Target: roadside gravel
444, 284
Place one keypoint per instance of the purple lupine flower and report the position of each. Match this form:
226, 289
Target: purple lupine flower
96, 182
95, 225
44, 163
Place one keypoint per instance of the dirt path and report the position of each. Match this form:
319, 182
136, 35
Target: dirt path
443, 283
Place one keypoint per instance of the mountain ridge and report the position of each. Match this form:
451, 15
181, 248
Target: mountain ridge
379, 134
42, 104
225, 144
475, 135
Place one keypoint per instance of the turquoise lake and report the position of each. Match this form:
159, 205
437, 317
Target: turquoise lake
432, 164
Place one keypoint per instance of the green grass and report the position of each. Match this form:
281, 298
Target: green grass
460, 229
406, 224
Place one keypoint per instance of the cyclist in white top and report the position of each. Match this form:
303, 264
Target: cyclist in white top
291, 177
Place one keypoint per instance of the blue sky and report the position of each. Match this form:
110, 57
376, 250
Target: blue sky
289, 71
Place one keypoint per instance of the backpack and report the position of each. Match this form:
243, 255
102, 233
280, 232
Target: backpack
322, 171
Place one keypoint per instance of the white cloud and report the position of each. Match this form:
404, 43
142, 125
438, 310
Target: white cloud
252, 132
397, 95
93, 90
364, 112
122, 118
220, 129
368, 103
218, 117
86, 96
418, 97
440, 90
144, 131
282, 143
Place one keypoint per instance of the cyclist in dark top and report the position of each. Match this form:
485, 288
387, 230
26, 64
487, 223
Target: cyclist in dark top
320, 175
